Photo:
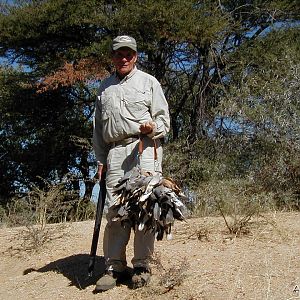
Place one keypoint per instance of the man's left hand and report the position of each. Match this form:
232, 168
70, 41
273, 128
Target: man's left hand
147, 127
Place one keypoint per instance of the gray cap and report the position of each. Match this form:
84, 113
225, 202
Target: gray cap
124, 41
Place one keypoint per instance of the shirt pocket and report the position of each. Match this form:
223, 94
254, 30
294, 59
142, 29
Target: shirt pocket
137, 103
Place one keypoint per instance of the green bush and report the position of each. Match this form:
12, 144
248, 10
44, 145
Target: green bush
223, 168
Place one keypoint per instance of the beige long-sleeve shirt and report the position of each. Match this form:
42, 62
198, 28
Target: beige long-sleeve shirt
123, 105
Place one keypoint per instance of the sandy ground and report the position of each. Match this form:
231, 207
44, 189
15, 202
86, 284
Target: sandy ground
201, 262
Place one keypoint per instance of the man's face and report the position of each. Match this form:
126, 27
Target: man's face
124, 60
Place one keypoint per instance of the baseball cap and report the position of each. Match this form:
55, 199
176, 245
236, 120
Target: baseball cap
124, 41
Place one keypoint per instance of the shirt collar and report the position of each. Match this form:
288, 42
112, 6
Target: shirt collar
133, 71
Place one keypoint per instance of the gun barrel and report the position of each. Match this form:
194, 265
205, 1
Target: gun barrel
99, 213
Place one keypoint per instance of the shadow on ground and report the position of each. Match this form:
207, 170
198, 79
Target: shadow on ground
75, 268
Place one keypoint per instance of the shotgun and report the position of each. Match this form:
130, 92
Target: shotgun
99, 213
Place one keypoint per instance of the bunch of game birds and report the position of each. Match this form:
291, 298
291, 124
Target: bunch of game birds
149, 201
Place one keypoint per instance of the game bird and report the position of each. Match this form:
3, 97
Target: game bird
149, 202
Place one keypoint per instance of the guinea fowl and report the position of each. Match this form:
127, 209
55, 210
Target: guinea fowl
149, 201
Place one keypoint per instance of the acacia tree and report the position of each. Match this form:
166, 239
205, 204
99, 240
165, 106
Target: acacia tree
50, 123
187, 45
195, 49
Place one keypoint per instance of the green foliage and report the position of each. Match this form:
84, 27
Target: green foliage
44, 33
255, 173
36, 136
230, 71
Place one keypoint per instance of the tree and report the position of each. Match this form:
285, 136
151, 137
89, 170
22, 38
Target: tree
51, 120
199, 50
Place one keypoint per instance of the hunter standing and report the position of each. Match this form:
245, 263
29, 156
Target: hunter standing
130, 102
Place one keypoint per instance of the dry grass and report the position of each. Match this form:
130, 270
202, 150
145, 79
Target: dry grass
34, 238
167, 279
174, 276
261, 265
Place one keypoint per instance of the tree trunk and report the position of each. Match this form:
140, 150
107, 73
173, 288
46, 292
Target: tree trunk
199, 109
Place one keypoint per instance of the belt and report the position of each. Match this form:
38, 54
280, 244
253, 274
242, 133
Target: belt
125, 141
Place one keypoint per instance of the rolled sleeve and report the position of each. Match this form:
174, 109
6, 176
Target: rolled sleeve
159, 112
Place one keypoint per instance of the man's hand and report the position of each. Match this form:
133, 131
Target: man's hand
100, 170
147, 127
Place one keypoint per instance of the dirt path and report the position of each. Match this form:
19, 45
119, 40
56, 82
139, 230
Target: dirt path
201, 262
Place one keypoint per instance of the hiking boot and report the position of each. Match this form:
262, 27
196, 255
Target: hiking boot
141, 277
107, 281
111, 278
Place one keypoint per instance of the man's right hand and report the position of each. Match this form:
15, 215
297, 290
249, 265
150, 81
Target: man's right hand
100, 170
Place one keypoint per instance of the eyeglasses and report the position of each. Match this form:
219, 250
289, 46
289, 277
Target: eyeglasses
119, 55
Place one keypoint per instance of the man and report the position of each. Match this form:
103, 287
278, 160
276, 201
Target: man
130, 104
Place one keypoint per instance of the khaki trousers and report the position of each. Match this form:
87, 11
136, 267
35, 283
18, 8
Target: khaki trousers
121, 159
